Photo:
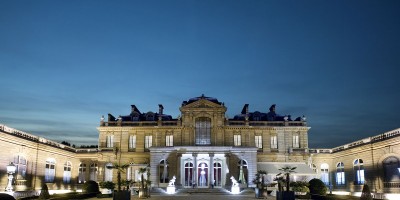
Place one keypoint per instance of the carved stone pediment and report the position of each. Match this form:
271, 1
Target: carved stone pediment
202, 103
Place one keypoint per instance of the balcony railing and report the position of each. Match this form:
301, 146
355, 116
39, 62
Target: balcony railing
105, 147
391, 184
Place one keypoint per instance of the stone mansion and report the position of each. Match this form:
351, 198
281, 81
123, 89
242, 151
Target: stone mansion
202, 147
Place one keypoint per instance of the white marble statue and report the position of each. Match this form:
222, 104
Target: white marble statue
234, 182
172, 181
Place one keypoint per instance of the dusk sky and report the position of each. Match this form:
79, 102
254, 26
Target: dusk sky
64, 64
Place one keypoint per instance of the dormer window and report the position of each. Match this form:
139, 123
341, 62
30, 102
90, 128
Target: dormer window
150, 116
135, 116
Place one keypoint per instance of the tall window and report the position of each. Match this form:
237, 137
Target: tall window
340, 174
296, 143
237, 140
203, 131
20, 164
358, 167
242, 165
67, 172
110, 141
82, 173
163, 170
169, 140
258, 141
325, 173
390, 168
108, 174
148, 141
50, 170
93, 172
274, 142
132, 141
189, 174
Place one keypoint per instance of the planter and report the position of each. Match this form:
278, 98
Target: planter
260, 193
122, 195
285, 195
143, 193
105, 191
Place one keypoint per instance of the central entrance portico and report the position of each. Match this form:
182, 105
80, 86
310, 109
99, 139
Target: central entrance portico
202, 167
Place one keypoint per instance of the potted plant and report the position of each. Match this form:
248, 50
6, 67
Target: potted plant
260, 185
300, 187
286, 195
120, 194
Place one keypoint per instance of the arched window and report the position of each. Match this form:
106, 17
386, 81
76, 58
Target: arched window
325, 173
50, 170
163, 170
242, 165
390, 167
358, 167
188, 174
93, 172
203, 131
217, 174
108, 174
340, 180
67, 172
20, 164
82, 173
202, 175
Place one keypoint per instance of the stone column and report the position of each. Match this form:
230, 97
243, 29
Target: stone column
211, 179
225, 179
178, 169
195, 167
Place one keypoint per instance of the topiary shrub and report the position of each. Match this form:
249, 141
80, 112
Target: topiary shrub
300, 186
44, 192
366, 193
90, 187
317, 187
107, 184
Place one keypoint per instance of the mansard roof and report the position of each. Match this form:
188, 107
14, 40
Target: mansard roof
264, 116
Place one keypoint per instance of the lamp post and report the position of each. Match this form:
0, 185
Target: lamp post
10, 170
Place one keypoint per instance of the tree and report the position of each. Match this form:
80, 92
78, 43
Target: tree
366, 193
44, 192
259, 179
287, 171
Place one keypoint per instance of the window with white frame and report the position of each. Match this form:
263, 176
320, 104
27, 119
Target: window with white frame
93, 172
132, 141
67, 172
325, 173
274, 142
237, 140
296, 142
20, 164
358, 167
340, 174
258, 141
82, 173
110, 141
108, 174
148, 141
50, 170
169, 140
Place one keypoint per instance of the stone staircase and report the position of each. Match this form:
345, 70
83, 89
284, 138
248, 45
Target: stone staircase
203, 191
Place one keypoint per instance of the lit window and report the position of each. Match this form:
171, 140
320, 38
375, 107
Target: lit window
296, 143
82, 173
110, 141
20, 164
274, 142
67, 172
258, 141
148, 141
325, 173
237, 140
50, 170
340, 174
169, 140
132, 141
108, 175
93, 172
163, 172
203, 131
359, 172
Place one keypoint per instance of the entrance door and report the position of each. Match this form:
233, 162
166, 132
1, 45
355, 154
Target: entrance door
217, 174
188, 174
202, 174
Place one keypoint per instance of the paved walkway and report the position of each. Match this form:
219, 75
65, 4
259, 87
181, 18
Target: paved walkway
196, 197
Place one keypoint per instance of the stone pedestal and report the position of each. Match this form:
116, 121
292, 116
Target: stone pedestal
171, 189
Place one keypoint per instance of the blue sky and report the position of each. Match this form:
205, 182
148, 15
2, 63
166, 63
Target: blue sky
64, 64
